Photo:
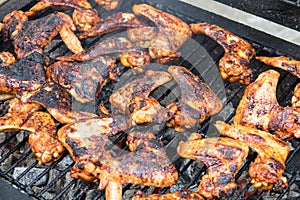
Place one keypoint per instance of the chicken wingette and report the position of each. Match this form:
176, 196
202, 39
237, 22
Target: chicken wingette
234, 65
197, 102
83, 80
180, 195
172, 33
267, 170
146, 162
84, 16
259, 108
282, 62
133, 98
34, 35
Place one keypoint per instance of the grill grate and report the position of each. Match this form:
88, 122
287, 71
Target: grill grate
293, 2
52, 181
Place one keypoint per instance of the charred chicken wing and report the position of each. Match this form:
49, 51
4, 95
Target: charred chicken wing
267, 170
259, 108
27, 74
133, 98
84, 16
287, 64
173, 32
28, 36
234, 66
114, 22
83, 80
197, 103
180, 195
223, 158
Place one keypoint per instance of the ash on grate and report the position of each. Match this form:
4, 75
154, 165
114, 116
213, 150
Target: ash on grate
29, 176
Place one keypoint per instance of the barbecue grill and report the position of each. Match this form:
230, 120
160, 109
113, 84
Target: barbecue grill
52, 181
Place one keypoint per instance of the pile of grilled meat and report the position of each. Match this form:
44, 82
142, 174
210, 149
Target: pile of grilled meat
41, 90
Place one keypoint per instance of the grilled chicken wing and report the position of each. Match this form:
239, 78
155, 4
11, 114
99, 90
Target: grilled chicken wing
83, 80
84, 16
27, 74
180, 195
287, 64
173, 32
296, 97
146, 163
133, 98
6, 59
112, 23
57, 101
234, 66
136, 60
109, 4
28, 36
259, 108
107, 47
42, 138
223, 158
267, 170
197, 103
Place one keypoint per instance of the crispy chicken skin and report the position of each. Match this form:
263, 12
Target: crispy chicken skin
57, 101
296, 97
259, 108
107, 47
6, 59
197, 103
83, 80
27, 74
133, 98
109, 4
112, 23
146, 163
42, 138
173, 32
28, 36
285, 63
234, 66
267, 170
223, 158
180, 195
136, 60
83, 16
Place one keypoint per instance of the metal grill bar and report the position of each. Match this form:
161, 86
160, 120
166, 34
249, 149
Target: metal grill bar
293, 2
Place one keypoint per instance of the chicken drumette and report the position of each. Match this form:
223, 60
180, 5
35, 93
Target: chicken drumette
146, 163
223, 158
133, 98
29, 36
259, 108
282, 62
267, 170
197, 103
84, 16
83, 80
234, 66
172, 33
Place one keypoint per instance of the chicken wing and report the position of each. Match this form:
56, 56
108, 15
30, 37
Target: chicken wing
173, 32
133, 98
296, 97
6, 59
223, 158
285, 63
109, 4
259, 108
234, 66
84, 16
28, 36
180, 195
57, 101
267, 170
26, 74
136, 60
197, 103
83, 80
112, 23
